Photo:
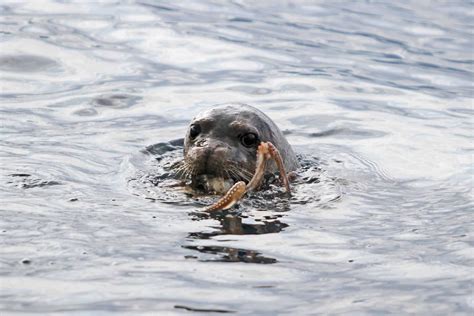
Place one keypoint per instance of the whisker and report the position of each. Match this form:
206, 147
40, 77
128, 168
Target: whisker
237, 173
182, 169
189, 171
241, 172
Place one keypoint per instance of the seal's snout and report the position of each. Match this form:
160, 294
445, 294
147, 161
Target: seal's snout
210, 156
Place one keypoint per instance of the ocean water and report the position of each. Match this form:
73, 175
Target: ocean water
376, 98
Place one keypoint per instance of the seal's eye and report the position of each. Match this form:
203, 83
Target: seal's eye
194, 131
249, 140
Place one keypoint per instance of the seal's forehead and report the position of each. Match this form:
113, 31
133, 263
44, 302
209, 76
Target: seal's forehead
221, 115
238, 125
242, 126
233, 118
204, 121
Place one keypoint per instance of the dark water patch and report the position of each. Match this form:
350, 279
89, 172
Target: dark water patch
86, 112
329, 132
155, 178
230, 254
203, 310
350, 133
297, 88
26, 181
230, 224
162, 148
27, 63
464, 111
26, 261
157, 7
128, 122
106, 101
250, 90
313, 120
20, 175
117, 101
362, 105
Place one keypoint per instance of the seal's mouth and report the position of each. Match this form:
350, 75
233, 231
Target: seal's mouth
212, 184
217, 179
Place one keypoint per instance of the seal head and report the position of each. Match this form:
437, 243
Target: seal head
221, 144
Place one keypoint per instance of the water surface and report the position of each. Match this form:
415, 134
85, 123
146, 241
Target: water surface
377, 96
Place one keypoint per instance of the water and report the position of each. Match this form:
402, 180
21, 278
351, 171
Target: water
378, 95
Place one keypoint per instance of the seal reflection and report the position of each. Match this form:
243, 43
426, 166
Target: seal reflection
231, 224
229, 254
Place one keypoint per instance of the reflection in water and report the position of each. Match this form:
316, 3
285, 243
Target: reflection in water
229, 254
232, 225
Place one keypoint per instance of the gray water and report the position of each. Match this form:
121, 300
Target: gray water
376, 96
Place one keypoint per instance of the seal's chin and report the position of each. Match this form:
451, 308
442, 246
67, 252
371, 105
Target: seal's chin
212, 184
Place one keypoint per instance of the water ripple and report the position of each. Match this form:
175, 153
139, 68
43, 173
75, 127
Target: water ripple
376, 98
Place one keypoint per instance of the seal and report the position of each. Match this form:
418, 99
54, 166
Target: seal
222, 143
